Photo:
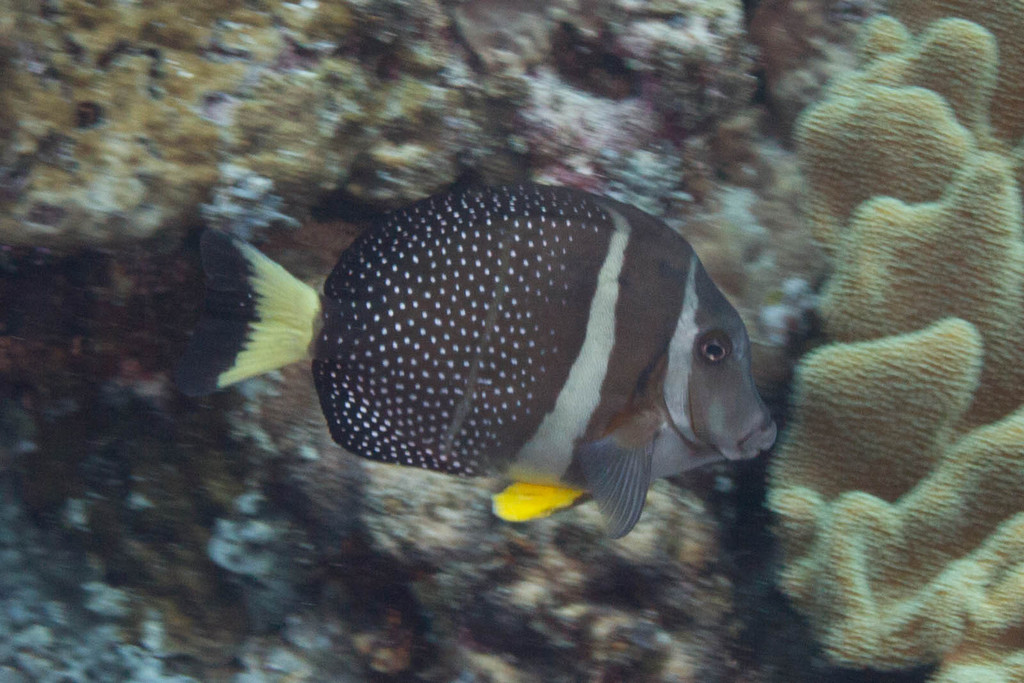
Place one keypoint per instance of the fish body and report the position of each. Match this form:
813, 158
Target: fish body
551, 336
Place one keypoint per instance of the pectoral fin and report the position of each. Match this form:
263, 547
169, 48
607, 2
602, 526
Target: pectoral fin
618, 477
520, 501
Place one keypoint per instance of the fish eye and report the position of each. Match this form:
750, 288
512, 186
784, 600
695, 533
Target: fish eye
714, 346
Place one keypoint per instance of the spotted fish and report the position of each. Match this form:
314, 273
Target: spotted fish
570, 343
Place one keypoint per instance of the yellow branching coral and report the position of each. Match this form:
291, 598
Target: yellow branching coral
899, 547
899, 485
1004, 20
902, 125
902, 266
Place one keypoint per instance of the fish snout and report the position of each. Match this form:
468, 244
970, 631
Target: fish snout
758, 438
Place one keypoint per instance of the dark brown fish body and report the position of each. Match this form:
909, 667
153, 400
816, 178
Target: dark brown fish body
541, 333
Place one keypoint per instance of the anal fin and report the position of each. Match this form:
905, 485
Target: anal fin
618, 477
520, 501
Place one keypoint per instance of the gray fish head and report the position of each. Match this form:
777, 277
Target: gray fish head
726, 413
709, 390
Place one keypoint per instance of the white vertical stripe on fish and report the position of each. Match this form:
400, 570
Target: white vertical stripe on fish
680, 356
549, 451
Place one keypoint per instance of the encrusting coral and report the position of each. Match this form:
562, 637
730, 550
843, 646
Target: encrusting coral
899, 485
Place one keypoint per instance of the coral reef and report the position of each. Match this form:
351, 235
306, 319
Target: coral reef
901, 141
570, 132
1002, 20
904, 543
962, 255
506, 37
268, 558
688, 59
625, 77
228, 538
435, 587
898, 484
136, 124
917, 166
243, 203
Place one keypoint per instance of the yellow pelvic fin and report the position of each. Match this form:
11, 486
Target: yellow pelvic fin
520, 501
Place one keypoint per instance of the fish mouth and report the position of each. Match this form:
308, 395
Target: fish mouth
758, 439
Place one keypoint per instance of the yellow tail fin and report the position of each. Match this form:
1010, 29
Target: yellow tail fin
521, 502
258, 317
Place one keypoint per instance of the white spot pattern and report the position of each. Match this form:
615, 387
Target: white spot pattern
449, 323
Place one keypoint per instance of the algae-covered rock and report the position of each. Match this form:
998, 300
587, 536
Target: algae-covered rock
118, 122
802, 44
117, 118
436, 586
